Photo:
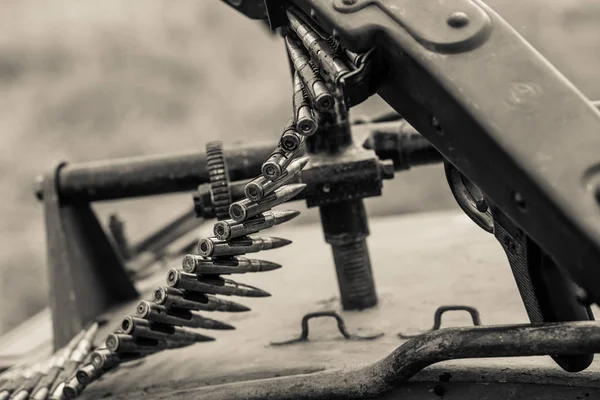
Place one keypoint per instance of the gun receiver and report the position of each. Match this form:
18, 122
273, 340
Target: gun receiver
507, 132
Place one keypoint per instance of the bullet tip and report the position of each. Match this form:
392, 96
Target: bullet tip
302, 161
223, 326
268, 266
285, 215
236, 307
292, 190
280, 242
260, 293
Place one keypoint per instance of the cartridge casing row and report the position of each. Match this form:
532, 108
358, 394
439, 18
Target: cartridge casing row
260, 187
230, 229
189, 282
246, 208
194, 301
316, 88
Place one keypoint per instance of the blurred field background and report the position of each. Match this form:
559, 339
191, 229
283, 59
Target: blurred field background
85, 80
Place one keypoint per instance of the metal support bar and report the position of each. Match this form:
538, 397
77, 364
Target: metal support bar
86, 275
415, 355
146, 176
167, 234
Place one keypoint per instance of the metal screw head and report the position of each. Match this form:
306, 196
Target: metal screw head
458, 19
349, 2
481, 205
519, 201
387, 169
39, 187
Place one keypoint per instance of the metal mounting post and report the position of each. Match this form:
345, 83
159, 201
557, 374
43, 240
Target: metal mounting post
344, 222
86, 275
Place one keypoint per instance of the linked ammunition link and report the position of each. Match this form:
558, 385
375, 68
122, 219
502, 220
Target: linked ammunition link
164, 323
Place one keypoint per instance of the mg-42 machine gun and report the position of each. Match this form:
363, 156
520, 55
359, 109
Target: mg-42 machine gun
520, 146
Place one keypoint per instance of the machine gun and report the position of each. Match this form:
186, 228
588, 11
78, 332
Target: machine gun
500, 139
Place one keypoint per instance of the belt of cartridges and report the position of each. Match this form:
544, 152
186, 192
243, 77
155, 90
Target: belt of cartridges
168, 320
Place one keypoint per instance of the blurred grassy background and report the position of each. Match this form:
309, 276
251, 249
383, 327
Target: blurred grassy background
91, 80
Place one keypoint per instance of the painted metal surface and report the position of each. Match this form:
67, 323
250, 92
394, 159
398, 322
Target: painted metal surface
420, 261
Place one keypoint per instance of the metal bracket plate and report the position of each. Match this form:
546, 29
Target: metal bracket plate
85, 274
443, 26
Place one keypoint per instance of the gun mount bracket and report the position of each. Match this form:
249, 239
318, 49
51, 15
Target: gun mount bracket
340, 323
449, 26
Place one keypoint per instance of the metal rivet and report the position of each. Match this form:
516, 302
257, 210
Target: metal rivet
519, 201
437, 126
458, 19
335, 35
481, 205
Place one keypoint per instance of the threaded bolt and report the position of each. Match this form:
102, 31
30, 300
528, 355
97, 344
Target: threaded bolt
346, 228
355, 277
